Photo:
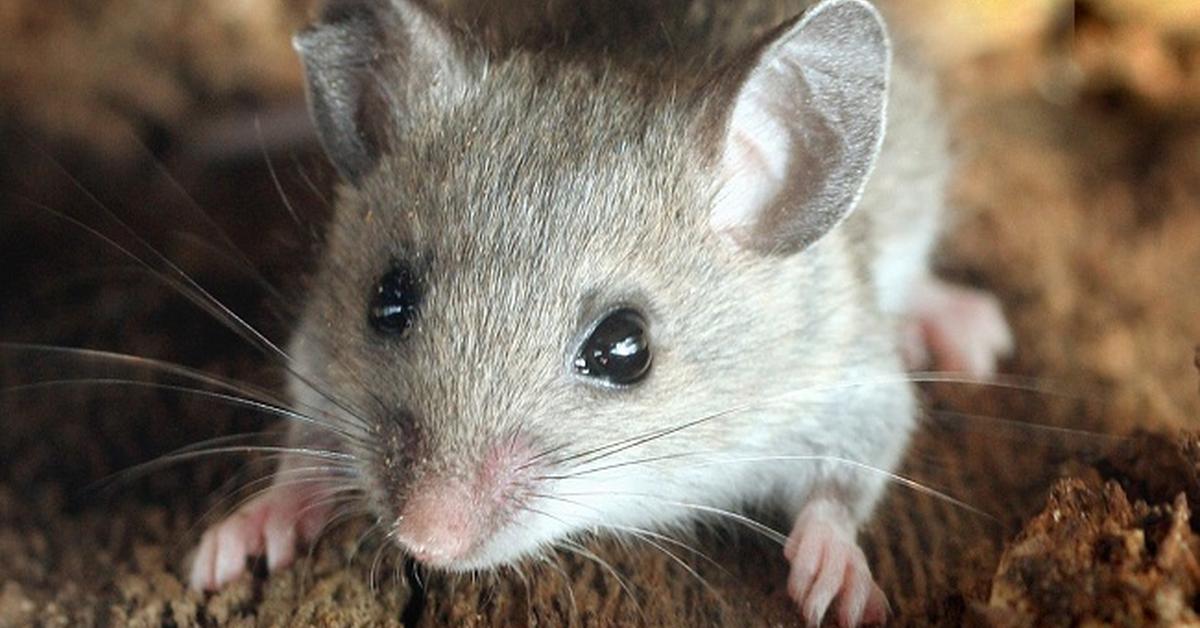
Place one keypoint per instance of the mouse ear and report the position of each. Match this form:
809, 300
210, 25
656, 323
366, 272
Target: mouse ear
804, 127
364, 62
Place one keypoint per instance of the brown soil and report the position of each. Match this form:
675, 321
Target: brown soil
1082, 213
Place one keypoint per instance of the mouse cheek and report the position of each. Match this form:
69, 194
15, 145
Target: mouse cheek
449, 519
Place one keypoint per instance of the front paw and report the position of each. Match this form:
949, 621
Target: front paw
271, 523
828, 566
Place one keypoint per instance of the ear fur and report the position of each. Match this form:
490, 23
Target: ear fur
804, 129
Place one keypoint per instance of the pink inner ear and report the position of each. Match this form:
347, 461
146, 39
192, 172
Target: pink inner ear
804, 130
753, 166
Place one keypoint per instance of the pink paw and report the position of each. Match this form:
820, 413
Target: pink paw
272, 522
956, 328
827, 565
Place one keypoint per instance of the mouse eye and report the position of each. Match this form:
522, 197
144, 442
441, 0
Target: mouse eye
394, 303
618, 350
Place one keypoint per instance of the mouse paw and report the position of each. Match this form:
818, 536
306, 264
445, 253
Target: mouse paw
956, 329
828, 566
272, 523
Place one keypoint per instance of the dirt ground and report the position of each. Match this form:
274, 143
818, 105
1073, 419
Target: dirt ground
1080, 190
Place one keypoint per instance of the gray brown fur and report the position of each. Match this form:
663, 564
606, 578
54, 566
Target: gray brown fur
536, 194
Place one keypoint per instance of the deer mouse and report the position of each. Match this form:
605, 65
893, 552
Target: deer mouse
564, 294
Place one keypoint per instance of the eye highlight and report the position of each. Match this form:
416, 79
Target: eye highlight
393, 308
618, 349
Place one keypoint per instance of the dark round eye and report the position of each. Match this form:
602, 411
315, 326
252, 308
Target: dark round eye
394, 304
618, 351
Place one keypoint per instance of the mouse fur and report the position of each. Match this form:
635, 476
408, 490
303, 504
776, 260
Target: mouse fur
531, 190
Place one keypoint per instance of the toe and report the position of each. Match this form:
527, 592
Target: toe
280, 536
271, 523
203, 564
856, 591
231, 553
877, 610
826, 587
804, 572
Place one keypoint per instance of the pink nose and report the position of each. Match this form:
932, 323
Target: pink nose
437, 527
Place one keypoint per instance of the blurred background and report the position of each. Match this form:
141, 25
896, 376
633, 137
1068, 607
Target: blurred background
106, 75
177, 127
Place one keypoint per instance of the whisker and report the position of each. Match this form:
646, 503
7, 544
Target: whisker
597, 453
767, 531
635, 441
230, 247
861, 466
520, 573
351, 509
998, 380
416, 572
108, 484
679, 561
379, 554
552, 561
998, 424
176, 458
312, 187
673, 541
204, 394
373, 528
616, 465
194, 293
287, 203
351, 422
662, 537
548, 452
580, 550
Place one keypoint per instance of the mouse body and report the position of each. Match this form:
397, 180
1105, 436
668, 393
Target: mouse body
563, 294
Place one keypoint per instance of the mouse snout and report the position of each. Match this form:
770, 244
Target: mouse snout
447, 518
438, 525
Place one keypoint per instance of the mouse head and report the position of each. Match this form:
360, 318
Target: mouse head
542, 278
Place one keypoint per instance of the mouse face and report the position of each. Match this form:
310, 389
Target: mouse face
524, 302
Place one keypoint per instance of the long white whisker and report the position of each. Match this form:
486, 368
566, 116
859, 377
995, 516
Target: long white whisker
679, 561
552, 561
194, 293
287, 203
362, 538
598, 453
861, 466
765, 530
243, 402
576, 548
133, 361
